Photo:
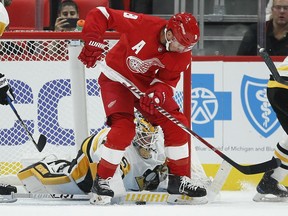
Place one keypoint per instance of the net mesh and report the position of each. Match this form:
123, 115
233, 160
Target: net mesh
34, 50
39, 74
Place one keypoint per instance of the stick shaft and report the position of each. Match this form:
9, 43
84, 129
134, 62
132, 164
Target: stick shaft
39, 146
52, 196
248, 170
131, 197
19, 118
270, 64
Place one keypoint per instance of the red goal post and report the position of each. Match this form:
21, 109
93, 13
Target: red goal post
55, 96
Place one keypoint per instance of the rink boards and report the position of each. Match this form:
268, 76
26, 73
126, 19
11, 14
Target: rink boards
229, 109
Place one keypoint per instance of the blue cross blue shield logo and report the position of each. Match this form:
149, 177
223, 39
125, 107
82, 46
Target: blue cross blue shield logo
257, 107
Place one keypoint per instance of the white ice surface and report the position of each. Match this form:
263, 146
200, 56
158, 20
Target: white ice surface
235, 203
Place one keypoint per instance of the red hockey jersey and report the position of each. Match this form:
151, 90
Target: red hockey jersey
139, 55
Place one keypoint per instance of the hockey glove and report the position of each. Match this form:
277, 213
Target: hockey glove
155, 96
162, 171
92, 52
5, 91
151, 179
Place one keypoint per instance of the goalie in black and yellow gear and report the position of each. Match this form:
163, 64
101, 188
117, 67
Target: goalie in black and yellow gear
54, 176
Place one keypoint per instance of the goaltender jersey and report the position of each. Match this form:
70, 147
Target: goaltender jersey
141, 167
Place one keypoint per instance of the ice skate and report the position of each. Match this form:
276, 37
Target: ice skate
7, 193
185, 191
101, 192
269, 190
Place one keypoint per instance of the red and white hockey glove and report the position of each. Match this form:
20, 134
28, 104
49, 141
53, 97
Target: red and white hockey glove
155, 95
5, 91
92, 52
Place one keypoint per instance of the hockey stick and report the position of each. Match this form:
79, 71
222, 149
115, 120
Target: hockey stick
131, 197
51, 196
248, 169
270, 64
42, 139
13, 197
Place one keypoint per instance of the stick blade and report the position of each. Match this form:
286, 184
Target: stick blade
220, 178
41, 142
263, 167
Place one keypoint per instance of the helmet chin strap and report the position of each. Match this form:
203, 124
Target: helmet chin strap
167, 42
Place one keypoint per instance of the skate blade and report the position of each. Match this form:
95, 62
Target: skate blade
8, 198
180, 199
100, 199
268, 198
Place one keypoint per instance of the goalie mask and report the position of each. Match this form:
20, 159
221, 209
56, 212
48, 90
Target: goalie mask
185, 29
145, 138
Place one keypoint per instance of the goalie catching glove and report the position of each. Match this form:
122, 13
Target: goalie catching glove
155, 96
5, 91
93, 51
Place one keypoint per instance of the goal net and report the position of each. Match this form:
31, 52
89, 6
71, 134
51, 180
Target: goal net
55, 96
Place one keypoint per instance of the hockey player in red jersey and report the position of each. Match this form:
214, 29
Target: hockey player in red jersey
151, 53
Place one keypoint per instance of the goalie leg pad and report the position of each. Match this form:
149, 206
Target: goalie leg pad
33, 185
51, 177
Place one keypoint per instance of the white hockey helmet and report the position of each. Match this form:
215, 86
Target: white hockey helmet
145, 138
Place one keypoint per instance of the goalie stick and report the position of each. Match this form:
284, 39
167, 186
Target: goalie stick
131, 197
218, 181
248, 169
270, 64
42, 139
51, 196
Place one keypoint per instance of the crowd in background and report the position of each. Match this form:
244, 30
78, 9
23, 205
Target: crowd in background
245, 44
56, 7
139, 6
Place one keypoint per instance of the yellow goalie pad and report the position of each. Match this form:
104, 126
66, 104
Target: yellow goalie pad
42, 177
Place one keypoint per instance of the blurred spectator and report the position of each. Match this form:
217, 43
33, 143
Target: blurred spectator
276, 33
68, 14
54, 5
269, 10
